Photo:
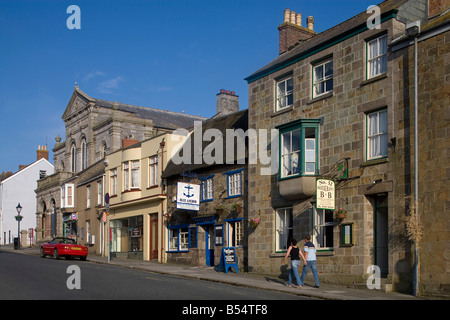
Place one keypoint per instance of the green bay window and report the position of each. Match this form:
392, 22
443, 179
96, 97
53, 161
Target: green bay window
299, 152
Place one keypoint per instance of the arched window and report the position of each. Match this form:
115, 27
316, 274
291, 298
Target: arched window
83, 154
73, 158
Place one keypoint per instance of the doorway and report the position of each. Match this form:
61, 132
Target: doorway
381, 234
209, 244
154, 236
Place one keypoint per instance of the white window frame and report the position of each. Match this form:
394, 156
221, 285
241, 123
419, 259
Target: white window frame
377, 56
377, 134
153, 171
135, 174
322, 228
235, 230
113, 181
290, 157
88, 196
284, 228
234, 180
126, 175
68, 195
284, 93
99, 192
322, 83
207, 189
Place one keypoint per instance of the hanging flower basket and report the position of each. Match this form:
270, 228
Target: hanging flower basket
237, 206
341, 214
253, 222
219, 208
168, 216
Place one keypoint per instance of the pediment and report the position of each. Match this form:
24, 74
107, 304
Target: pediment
78, 101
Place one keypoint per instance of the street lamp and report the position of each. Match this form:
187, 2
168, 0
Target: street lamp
18, 219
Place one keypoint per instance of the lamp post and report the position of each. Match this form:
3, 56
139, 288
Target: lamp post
18, 219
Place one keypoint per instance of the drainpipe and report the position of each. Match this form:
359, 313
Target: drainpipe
413, 30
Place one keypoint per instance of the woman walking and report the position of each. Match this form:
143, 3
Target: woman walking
295, 254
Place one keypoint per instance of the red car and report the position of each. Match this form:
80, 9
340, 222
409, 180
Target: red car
66, 247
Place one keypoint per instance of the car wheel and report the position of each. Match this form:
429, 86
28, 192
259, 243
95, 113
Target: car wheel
42, 253
55, 253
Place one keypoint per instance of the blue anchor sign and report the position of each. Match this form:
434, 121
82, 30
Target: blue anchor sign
188, 196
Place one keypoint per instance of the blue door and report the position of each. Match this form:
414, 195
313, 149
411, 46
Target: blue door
209, 245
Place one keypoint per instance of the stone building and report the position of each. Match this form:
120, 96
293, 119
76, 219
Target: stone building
197, 236
341, 104
94, 128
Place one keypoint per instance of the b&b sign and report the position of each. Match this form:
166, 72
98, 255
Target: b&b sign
325, 194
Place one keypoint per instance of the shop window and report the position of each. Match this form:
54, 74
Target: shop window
284, 229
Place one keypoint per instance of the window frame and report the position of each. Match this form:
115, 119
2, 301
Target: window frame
153, 180
235, 232
321, 216
379, 135
324, 80
236, 191
286, 95
208, 183
289, 228
174, 234
113, 181
68, 192
301, 126
369, 59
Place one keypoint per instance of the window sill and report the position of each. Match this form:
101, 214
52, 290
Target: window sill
374, 79
278, 112
319, 98
374, 162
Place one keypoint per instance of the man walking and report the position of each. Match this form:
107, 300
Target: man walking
310, 257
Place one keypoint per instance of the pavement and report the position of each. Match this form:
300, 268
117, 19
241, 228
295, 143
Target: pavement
250, 280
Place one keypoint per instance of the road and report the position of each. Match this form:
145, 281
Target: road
29, 277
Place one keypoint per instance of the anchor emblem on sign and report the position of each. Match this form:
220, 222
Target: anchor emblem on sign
189, 195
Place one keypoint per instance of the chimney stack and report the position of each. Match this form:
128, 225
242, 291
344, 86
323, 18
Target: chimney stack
291, 30
227, 102
42, 152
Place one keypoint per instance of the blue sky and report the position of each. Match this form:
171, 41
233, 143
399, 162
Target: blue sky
168, 54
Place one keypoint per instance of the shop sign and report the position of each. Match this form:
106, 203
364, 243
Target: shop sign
75, 216
325, 194
135, 232
188, 196
228, 259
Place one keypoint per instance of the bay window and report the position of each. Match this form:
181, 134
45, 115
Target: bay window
298, 148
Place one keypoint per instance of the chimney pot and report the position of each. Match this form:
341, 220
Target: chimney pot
299, 19
287, 14
293, 17
42, 152
310, 23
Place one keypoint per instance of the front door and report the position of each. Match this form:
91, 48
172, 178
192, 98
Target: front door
209, 245
154, 236
381, 234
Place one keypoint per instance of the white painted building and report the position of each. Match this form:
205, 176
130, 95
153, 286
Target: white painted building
19, 188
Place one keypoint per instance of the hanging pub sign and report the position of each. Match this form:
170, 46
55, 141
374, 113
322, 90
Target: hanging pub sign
188, 196
325, 194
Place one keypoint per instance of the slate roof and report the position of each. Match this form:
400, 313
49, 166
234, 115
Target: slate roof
161, 118
236, 120
326, 38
